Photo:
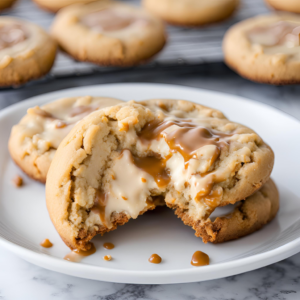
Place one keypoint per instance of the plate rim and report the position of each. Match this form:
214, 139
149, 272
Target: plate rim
224, 269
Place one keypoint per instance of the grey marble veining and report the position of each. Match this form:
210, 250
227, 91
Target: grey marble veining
22, 280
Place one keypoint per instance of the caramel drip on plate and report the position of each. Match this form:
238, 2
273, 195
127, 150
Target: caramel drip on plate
108, 246
186, 139
107, 257
99, 205
77, 255
154, 166
18, 181
46, 244
155, 259
200, 258
11, 34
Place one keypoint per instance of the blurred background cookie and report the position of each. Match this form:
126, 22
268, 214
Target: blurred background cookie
56, 5
191, 12
287, 5
26, 51
4, 4
33, 142
265, 48
108, 33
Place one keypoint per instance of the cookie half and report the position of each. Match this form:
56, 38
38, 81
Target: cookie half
265, 49
191, 12
26, 51
286, 5
33, 142
56, 5
244, 218
4, 4
108, 33
115, 163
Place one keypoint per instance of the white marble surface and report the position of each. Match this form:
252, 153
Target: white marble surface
22, 280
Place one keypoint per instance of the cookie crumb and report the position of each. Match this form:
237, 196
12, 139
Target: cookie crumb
18, 181
107, 257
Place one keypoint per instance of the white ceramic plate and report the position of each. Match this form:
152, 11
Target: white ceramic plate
24, 221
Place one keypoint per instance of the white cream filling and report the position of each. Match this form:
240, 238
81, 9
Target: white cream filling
128, 190
44, 133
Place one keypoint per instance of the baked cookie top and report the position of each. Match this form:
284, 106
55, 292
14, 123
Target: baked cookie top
34, 140
191, 12
55, 5
125, 34
20, 39
120, 159
4, 4
274, 36
265, 48
286, 5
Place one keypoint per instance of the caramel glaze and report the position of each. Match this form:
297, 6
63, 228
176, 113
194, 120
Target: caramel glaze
77, 255
46, 244
187, 139
99, 205
155, 259
75, 111
108, 20
11, 34
280, 30
82, 109
108, 246
200, 258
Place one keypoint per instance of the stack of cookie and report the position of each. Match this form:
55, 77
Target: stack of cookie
122, 160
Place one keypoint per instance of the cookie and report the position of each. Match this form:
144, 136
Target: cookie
243, 218
4, 4
56, 5
108, 33
265, 49
191, 12
114, 164
33, 142
286, 5
26, 51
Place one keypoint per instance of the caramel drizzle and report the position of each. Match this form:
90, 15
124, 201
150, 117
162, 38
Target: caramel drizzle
200, 258
185, 140
12, 34
154, 166
75, 111
99, 205
77, 255
109, 20
280, 30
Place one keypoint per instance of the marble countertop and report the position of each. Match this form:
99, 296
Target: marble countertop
22, 280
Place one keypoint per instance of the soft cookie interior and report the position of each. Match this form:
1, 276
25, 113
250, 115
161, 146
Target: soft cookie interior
118, 162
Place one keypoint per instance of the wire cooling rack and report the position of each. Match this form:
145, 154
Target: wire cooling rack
185, 45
